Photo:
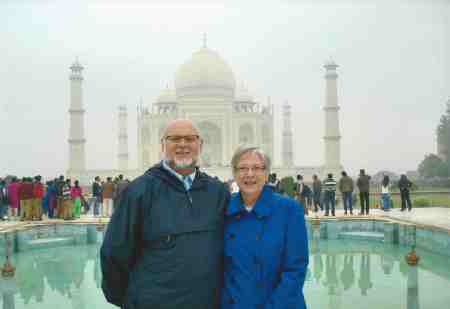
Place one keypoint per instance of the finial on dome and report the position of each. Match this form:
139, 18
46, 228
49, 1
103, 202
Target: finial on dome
77, 61
330, 64
76, 67
204, 39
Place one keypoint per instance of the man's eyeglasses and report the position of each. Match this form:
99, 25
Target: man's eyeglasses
245, 170
176, 139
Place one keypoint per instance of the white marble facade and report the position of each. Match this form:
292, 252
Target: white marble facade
227, 116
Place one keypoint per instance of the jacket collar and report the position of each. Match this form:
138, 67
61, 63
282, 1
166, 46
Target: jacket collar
165, 165
161, 172
262, 208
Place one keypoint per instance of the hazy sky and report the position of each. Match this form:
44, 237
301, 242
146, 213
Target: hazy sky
393, 57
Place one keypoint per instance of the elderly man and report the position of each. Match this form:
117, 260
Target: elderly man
164, 244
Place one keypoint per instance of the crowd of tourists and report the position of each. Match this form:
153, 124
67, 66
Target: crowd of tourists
347, 187
321, 194
29, 199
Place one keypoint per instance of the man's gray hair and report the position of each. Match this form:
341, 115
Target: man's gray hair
194, 126
241, 150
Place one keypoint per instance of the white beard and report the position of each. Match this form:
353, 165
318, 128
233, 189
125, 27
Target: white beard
188, 163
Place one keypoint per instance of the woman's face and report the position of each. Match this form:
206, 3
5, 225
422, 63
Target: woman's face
251, 174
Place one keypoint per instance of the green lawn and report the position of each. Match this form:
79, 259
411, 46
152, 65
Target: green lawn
418, 199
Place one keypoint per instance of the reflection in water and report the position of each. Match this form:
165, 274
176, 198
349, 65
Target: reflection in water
97, 271
348, 274
331, 280
341, 275
8, 287
387, 263
339, 267
364, 274
413, 288
316, 255
78, 301
59, 270
317, 266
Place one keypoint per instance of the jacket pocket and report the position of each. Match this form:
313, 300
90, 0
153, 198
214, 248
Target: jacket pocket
162, 243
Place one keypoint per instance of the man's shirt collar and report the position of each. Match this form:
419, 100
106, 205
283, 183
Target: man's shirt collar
179, 176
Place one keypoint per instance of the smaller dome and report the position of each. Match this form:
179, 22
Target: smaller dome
76, 65
167, 96
243, 95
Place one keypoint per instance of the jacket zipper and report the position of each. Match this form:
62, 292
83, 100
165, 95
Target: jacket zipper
189, 197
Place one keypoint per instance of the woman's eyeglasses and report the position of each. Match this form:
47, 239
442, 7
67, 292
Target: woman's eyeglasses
244, 170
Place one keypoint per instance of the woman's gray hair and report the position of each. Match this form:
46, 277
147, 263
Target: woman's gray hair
241, 150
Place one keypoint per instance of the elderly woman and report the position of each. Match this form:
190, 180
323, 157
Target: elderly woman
266, 246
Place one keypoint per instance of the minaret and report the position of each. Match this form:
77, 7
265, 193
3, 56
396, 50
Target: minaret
204, 40
77, 155
331, 108
123, 139
288, 154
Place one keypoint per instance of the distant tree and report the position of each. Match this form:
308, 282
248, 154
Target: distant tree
443, 135
433, 166
378, 177
288, 185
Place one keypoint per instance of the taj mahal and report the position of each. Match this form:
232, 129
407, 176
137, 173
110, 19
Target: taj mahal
226, 115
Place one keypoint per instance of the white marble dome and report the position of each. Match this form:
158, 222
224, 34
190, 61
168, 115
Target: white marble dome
243, 95
205, 74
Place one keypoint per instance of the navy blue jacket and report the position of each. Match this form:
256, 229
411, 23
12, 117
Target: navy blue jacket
266, 254
96, 189
163, 247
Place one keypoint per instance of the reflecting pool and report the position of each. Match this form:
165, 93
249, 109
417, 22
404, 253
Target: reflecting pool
342, 274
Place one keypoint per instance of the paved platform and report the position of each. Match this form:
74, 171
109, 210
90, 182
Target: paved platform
85, 219
431, 216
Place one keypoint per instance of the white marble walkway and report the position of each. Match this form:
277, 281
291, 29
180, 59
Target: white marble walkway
429, 216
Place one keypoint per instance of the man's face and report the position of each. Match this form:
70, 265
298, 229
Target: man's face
181, 145
251, 174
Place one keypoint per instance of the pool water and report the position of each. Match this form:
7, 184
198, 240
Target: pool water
342, 274
358, 274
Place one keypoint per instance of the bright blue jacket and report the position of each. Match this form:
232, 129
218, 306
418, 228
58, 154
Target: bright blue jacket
266, 254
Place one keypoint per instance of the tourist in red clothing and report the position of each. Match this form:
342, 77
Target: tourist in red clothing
38, 194
13, 197
77, 195
26, 198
